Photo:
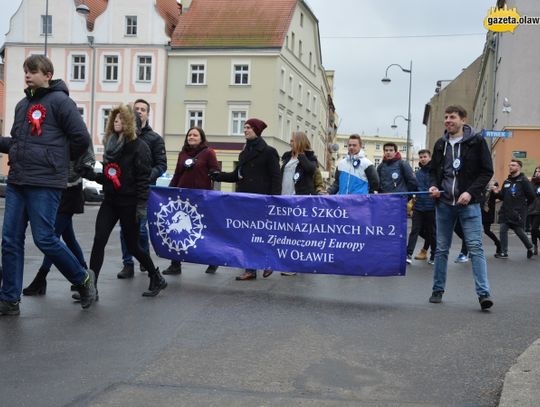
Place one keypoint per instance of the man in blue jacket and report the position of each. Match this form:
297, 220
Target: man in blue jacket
461, 169
48, 132
423, 218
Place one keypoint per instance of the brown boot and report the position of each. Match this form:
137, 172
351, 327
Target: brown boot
422, 255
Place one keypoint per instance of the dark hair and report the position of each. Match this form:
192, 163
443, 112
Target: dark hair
390, 145
460, 110
425, 151
356, 137
201, 132
519, 162
36, 63
142, 101
536, 169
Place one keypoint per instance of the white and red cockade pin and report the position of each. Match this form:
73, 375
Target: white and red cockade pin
36, 115
113, 172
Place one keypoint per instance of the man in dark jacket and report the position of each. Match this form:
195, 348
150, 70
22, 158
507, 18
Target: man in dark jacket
423, 218
257, 172
516, 195
159, 166
461, 169
395, 175
48, 132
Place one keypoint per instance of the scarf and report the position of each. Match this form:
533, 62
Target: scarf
113, 149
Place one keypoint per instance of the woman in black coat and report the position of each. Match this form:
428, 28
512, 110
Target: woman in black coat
126, 181
488, 214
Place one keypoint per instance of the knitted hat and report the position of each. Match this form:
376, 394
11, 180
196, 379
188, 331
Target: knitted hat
257, 125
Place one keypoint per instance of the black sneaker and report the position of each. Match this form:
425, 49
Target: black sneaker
87, 290
409, 259
142, 269
174, 269
126, 272
9, 308
211, 269
501, 255
485, 302
529, 253
436, 297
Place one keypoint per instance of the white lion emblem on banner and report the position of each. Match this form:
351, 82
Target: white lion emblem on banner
179, 225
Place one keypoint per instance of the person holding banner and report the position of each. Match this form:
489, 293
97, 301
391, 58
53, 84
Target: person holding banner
257, 171
126, 184
461, 169
195, 162
355, 174
534, 211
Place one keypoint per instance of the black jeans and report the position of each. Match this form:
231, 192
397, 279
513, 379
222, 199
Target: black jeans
423, 223
492, 236
535, 228
108, 215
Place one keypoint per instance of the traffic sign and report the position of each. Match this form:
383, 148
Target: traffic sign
496, 133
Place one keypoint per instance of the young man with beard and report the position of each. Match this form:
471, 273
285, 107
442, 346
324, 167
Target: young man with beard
516, 195
461, 169
423, 218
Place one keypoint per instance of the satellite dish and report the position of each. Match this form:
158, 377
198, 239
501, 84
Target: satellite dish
334, 147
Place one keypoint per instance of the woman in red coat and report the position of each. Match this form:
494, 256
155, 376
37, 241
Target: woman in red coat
195, 162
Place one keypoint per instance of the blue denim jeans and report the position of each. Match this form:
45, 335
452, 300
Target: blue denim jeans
471, 222
63, 227
38, 206
127, 257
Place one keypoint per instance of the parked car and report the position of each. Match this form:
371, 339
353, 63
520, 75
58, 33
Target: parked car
3, 185
164, 180
93, 192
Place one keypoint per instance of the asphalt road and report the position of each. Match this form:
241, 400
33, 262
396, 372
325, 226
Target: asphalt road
307, 340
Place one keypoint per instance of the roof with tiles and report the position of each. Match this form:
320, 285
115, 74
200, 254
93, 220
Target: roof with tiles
167, 9
234, 24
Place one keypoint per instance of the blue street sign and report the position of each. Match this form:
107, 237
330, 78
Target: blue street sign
496, 133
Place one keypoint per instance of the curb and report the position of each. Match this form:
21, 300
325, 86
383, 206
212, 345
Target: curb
522, 382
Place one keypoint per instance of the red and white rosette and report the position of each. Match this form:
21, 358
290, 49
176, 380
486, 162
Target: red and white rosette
113, 172
36, 115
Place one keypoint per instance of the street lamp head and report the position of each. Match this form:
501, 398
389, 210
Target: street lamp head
393, 126
83, 9
386, 80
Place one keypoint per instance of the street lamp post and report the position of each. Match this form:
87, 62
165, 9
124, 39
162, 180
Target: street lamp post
386, 80
394, 125
84, 10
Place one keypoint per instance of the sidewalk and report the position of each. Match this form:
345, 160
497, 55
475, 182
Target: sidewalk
522, 382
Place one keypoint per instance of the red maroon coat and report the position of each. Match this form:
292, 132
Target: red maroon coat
196, 176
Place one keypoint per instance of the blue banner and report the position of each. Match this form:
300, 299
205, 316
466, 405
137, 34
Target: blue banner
360, 235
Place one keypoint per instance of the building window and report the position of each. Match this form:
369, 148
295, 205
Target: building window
144, 68
308, 101
300, 49
291, 89
241, 74
280, 124
404, 148
301, 19
300, 93
314, 104
105, 114
111, 67
197, 74
377, 162
195, 118
131, 26
78, 67
238, 119
46, 24
292, 42
286, 41
310, 59
377, 147
282, 79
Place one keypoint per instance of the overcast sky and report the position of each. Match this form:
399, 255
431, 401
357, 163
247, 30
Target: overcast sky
441, 38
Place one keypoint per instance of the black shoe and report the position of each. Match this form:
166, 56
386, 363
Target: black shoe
247, 275
87, 290
209, 270
142, 269
157, 283
36, 287
485, 302
501, 255
126, 272
436, 297
174, 269
9, 308
77, 296
535, 250
530, 253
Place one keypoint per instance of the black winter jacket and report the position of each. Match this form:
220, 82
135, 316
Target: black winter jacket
516, 194
157, 151
134, 163
476, 167
43, 159
307, 163
257, 171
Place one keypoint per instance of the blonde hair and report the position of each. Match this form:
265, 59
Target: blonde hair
128, 123
301, 142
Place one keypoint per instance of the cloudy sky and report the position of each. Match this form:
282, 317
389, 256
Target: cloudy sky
360, 38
